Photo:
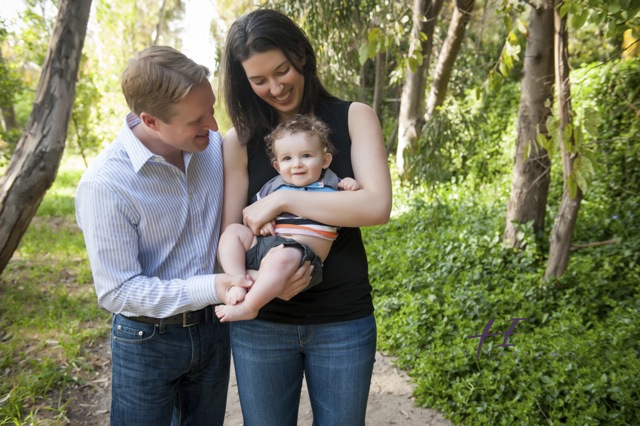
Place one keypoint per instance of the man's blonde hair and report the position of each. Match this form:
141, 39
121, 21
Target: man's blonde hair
159, 77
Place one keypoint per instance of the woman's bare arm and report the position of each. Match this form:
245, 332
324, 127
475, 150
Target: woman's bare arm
236, 189
236, 179
343, 208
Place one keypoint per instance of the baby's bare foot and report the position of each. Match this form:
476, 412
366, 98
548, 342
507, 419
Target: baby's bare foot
237, 312
235, 295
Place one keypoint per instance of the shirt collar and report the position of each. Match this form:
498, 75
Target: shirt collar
138, 153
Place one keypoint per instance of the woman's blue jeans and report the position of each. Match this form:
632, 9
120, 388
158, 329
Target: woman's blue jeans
170, 374
271, 358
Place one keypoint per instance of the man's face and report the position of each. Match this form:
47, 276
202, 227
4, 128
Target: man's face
188, 128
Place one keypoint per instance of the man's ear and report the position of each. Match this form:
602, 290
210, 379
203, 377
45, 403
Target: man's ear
326, 160
149, 120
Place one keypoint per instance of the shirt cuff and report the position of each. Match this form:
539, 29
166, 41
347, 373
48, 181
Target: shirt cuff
203, 290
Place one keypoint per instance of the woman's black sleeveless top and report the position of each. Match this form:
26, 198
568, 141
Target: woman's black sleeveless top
345, 292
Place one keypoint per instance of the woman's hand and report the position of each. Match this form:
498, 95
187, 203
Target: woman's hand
261, 213
299, 281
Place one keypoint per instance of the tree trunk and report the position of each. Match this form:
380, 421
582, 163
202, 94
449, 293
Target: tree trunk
425, 15
379, 84
35, 161
530, 187
560, 241
448, 54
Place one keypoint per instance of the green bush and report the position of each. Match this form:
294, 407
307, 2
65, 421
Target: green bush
441, 274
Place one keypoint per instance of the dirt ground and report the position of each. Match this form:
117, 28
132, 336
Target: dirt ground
390, 400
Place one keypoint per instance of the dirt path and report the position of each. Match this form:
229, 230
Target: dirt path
390, 400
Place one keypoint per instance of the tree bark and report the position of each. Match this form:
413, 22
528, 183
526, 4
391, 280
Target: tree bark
560, 241
412, 105
531, 175
448, 54
379, 84
35, 162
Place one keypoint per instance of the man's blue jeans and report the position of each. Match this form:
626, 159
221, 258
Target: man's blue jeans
169, 372
336, 358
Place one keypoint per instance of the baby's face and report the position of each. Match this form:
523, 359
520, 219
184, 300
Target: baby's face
300, 158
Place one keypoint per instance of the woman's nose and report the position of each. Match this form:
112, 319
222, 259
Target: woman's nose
276, 88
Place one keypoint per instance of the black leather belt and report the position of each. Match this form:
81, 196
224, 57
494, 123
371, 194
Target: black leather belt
185, 319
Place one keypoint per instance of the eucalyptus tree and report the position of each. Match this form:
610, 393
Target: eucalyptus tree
567, 214
34, 165
447, 56
412, 107
531, 170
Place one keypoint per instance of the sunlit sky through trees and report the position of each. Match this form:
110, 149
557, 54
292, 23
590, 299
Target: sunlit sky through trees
197, 41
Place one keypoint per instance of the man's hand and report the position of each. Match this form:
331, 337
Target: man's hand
225, 281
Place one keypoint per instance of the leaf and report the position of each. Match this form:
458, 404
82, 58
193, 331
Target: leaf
363, 53
572, 186
374, 35
547, 380
526, 151
542, 141
495, 81
581, 181
586, 166
522, 27
578, 20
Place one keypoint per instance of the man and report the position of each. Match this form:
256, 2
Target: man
149, 207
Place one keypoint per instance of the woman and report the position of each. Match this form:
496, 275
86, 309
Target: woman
326, 333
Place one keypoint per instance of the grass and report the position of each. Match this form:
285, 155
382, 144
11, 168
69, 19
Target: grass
49, 318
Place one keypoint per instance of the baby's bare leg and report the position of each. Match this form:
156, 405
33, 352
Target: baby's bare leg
275, 270
234, 243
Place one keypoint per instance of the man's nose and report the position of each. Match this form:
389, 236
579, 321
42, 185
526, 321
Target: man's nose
212, 124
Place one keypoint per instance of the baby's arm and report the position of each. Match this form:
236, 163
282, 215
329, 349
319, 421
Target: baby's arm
349, 184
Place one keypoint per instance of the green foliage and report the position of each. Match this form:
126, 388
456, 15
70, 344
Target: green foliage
573, 360
48, 316
469, 137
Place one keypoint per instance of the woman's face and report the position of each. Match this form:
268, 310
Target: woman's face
275, 80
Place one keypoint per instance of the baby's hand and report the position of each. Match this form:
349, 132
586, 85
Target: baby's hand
268, 229
349, 184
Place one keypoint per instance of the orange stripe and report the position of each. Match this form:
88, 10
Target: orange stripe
327, 234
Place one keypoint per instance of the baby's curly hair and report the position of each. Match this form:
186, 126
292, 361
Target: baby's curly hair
300, 123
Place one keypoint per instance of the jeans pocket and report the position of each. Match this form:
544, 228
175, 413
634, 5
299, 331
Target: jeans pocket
125, 330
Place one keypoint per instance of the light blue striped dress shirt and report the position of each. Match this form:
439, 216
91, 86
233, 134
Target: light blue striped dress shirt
151, 231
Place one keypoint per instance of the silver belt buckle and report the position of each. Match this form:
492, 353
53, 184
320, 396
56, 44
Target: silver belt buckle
184, 320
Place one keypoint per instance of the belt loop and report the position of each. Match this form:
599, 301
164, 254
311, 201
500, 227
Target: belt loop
161, 326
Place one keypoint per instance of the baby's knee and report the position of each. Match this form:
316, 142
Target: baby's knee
284, 255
